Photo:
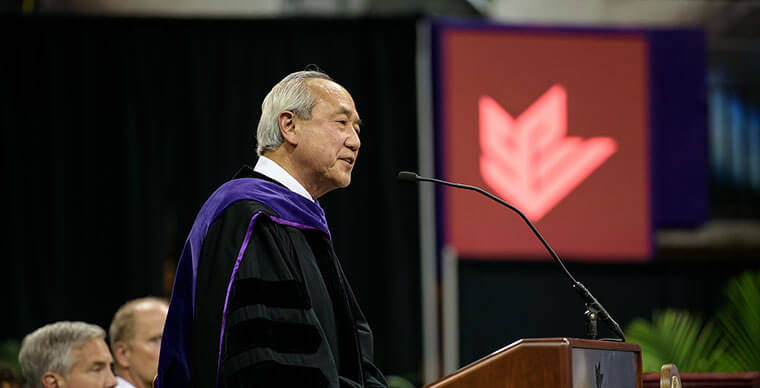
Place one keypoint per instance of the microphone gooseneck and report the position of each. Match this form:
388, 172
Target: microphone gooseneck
591, 303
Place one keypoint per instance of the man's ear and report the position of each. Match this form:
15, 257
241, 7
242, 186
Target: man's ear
51, 380
287, 123
121, 354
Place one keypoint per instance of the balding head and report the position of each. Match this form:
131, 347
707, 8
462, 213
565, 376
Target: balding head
135, 334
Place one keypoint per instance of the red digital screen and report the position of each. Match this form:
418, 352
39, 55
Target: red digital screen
555, 123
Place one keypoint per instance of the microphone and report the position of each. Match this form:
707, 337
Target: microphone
408, 176
595, 309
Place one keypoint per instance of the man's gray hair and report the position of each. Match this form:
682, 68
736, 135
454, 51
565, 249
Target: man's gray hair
291, 94
48, 349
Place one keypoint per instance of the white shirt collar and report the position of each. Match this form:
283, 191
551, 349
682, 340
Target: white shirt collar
123, 383
271, 169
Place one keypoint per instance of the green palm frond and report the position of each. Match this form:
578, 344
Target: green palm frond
740, 322
399, 382
677, 337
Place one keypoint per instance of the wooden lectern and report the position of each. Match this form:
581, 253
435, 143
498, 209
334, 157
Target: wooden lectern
552, 363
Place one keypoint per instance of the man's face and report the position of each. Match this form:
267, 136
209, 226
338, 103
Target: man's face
329, 142
143, 349
91, 367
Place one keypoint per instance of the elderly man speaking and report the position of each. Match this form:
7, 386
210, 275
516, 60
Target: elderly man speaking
260, 299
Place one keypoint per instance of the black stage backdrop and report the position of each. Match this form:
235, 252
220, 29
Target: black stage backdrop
114, 132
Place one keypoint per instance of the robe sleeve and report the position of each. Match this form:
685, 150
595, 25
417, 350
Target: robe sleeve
373, 377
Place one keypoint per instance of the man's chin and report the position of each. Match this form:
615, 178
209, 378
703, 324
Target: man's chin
344, 181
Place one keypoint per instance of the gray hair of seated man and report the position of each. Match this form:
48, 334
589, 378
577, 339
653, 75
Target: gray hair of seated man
48, 349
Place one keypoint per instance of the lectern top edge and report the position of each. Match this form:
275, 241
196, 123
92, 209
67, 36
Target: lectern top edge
572, 342
559, 362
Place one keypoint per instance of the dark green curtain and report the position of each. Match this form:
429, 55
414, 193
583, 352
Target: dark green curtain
114, 132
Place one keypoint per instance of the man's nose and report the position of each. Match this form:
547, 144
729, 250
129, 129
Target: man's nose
353, 142
110, 380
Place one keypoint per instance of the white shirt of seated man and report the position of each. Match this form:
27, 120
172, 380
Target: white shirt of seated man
123, 383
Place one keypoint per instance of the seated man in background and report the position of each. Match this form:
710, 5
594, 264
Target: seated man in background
67, 354
135, 336
9, 378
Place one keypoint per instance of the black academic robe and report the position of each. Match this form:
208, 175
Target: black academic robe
260, 299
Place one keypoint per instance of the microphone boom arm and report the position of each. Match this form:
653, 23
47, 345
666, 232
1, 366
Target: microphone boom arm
594, 307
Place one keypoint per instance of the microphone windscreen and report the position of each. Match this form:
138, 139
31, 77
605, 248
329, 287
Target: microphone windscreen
407, 176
